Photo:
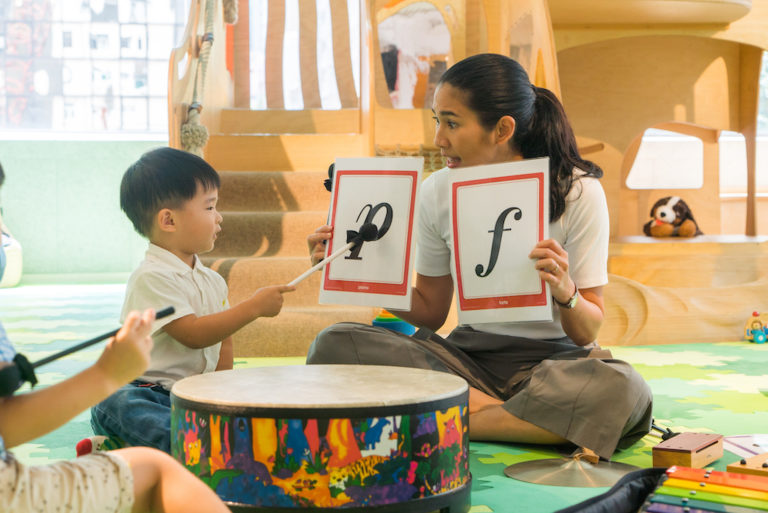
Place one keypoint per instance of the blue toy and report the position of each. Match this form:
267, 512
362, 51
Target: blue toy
387, 320
756, 328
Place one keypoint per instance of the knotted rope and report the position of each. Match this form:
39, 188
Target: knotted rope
194, 135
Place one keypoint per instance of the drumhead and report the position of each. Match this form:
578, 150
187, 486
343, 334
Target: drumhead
320, 387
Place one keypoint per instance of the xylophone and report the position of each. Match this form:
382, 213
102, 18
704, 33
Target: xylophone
696, 490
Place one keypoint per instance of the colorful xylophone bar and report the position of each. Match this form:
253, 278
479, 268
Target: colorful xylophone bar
695, 490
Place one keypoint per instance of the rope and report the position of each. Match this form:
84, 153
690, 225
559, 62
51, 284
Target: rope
194, 136
230, 12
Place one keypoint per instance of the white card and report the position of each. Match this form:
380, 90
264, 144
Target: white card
382, 191
498, 214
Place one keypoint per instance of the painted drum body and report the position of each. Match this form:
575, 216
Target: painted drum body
319, 437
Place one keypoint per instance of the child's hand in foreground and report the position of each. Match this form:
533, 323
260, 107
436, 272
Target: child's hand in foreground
127, 353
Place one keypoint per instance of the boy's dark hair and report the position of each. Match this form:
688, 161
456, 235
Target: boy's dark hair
2, 176
162, 178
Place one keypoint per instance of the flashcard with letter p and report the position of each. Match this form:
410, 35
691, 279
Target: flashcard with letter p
382, 191
498, 214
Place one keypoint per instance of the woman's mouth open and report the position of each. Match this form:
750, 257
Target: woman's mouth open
452, 162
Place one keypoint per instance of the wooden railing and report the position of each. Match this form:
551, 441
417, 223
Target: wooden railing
308, 44
200, 88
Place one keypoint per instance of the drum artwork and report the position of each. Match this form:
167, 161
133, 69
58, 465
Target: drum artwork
347, 437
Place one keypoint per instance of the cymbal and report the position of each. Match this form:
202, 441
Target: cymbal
569, 472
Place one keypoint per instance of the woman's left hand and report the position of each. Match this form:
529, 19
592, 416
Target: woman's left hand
552, 264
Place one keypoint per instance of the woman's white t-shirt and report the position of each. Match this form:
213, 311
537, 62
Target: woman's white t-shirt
583, 231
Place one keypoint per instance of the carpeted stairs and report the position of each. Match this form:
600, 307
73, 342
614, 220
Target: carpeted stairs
271, 197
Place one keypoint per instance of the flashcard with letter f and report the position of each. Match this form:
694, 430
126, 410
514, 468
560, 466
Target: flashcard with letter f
382, 191
498, 214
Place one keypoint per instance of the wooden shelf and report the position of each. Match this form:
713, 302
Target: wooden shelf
647, 12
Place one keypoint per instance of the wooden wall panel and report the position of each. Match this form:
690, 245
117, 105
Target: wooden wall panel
614, 90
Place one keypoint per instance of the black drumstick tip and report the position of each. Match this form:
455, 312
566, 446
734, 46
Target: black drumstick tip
165, 312
368, 232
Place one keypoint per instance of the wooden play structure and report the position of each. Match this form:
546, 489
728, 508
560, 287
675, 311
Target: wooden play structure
619, 66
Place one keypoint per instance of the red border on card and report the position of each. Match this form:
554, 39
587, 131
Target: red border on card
392, 289
497, 302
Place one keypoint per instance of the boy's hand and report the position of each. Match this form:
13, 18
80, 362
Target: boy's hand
317, 242
127, 354
269, 300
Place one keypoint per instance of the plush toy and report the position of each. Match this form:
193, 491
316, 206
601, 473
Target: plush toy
670, 216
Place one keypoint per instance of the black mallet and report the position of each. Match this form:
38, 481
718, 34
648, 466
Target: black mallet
23, 370
367, 232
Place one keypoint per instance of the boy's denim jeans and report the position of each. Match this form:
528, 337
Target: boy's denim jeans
139, 413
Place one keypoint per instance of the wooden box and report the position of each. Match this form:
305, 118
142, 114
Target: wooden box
695, 450
756, 465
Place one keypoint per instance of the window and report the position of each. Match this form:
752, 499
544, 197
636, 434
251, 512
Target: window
762, 112
87, 66
667, 160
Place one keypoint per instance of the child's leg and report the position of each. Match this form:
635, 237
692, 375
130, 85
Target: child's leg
98, 483
137, 415
162, 484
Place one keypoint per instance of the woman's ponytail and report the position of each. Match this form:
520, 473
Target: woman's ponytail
549, 134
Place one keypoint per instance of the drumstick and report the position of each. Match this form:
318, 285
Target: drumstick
24, 370
165, 312
368, 232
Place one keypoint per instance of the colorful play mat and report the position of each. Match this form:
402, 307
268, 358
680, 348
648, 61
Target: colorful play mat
720, 388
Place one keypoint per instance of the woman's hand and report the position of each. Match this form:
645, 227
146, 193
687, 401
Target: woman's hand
317, 242
581, 323
552, 264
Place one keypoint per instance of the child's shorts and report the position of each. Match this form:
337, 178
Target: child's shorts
98, 482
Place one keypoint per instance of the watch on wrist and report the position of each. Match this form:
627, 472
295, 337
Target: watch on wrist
571, 303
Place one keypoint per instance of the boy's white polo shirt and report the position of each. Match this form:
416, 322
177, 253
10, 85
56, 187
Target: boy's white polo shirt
162, 280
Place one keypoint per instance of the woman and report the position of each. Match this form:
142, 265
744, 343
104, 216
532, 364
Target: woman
529, 382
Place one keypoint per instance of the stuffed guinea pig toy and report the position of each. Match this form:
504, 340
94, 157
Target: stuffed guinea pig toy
670, 216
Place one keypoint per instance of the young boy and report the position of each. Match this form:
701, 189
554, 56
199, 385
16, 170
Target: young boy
136, 479
170, 197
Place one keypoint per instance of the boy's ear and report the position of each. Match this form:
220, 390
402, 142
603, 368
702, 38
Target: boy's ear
504, 130
165, 220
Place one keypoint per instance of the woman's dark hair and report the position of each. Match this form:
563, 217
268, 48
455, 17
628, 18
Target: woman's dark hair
162, 178
495, 86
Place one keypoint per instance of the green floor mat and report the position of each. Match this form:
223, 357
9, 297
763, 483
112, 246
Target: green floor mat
718, 388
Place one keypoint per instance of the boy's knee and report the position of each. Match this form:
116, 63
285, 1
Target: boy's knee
104, 416
138, 416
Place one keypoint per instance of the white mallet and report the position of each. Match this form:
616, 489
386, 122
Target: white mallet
367, 232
